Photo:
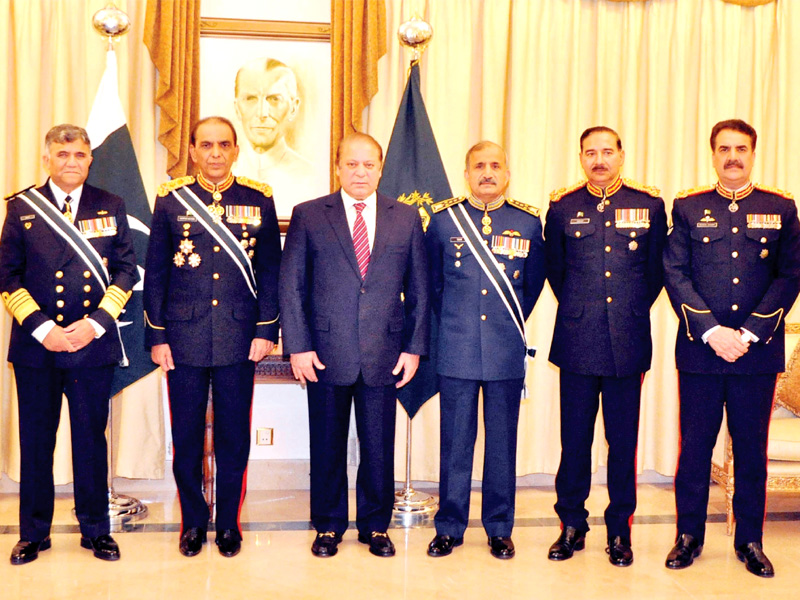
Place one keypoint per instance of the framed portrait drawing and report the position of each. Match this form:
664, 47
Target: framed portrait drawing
272, 79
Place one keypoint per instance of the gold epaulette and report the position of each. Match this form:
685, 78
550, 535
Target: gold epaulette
15, 194
173, 184
523, 206
556, 195
647, 189
694, 191
438, 207
772, 190
264, 188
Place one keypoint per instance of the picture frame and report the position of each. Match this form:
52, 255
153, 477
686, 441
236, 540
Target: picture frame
272, 79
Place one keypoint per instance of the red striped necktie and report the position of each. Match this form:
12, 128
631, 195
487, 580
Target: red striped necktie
361, 239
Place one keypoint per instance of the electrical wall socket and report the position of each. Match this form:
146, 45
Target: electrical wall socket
264, 436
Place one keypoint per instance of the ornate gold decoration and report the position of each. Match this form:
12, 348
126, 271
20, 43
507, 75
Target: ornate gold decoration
647, 189
165, 188
556, 195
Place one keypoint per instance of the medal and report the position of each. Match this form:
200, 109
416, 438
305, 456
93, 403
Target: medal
733, 207
217, 196
600, 207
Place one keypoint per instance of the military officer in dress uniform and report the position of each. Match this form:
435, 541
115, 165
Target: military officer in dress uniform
732, 269
487, 270
211, 313
604, 238
66, 271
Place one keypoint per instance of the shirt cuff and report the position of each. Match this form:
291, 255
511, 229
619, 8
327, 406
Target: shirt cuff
42, 330
708, 333
748, 336
99, 330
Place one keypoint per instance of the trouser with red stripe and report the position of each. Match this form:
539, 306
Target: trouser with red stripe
747, 400
580, 401
232, 392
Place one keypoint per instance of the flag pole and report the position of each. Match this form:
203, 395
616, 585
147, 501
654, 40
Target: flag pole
112, 23
411, 506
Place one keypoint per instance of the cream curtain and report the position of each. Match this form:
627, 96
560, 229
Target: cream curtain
532, 75
52, 65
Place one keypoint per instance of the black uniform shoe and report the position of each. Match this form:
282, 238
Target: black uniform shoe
192, 541
752, 555
229, 542
25, 551
442, 545
104, 547
570, 541
619, 551
686, 549
326, 544
379, 543
501, 547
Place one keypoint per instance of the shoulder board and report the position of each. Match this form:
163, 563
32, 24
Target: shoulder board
173, 184
772, 190
524, 206
647, 189
556, 195
15, 194
438, 207
256, 185
694, 191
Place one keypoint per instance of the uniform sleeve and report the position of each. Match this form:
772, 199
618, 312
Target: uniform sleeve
686, 301
267, 267
782, 292
416, 304
17, 299
555, 250
534, 271
433, 244
655, 257
293, 287
158, 265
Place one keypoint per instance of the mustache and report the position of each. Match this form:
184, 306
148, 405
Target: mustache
733, 163
487, 180
599, 168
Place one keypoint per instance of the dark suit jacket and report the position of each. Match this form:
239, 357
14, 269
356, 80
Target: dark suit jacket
353, 325
36, 258
592, 257
206, 312
735, 269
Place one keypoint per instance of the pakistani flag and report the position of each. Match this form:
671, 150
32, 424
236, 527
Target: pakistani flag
116, 170
414, 174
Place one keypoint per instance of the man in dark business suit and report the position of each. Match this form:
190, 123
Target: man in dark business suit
732, 268
66, 271
604, 239
354, 304
211, 313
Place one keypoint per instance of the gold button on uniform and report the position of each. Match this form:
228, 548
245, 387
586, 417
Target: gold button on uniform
609, 299
607, 202
577, 234
216, 275
633, 234
483, 317
735, 230
608, 273
216, 248
86, 274
608, 248
59, 318
608, 223
735, 280
735, 307
245, 234
458, 254
484, 291
706, 240
60, 304
735, 254
59, 274
59, 289
214, 302
86, 303
458, 263
763, 240
87, 288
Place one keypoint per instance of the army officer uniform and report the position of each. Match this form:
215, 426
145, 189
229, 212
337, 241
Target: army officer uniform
604, 264
732, 259
480, 346
197, 300
44, 279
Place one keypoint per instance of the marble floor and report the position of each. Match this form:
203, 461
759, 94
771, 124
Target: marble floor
276, 563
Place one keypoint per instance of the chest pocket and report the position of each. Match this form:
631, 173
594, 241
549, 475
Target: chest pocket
707, 244
579, 240
194, 228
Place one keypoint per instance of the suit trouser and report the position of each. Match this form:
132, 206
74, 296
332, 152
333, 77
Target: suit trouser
748, 403
329, 422
459, 428
39, 391
232, 393
580, 400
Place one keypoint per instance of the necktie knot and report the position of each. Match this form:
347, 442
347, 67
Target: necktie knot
67, 209
360, 206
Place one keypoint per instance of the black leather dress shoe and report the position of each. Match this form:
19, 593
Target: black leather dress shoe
229, 542
619, 550
104, 547
25, 551
686, 549
753, 557
326, 544
501, 547
192, 541
442, 545
379, 543
570, 541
